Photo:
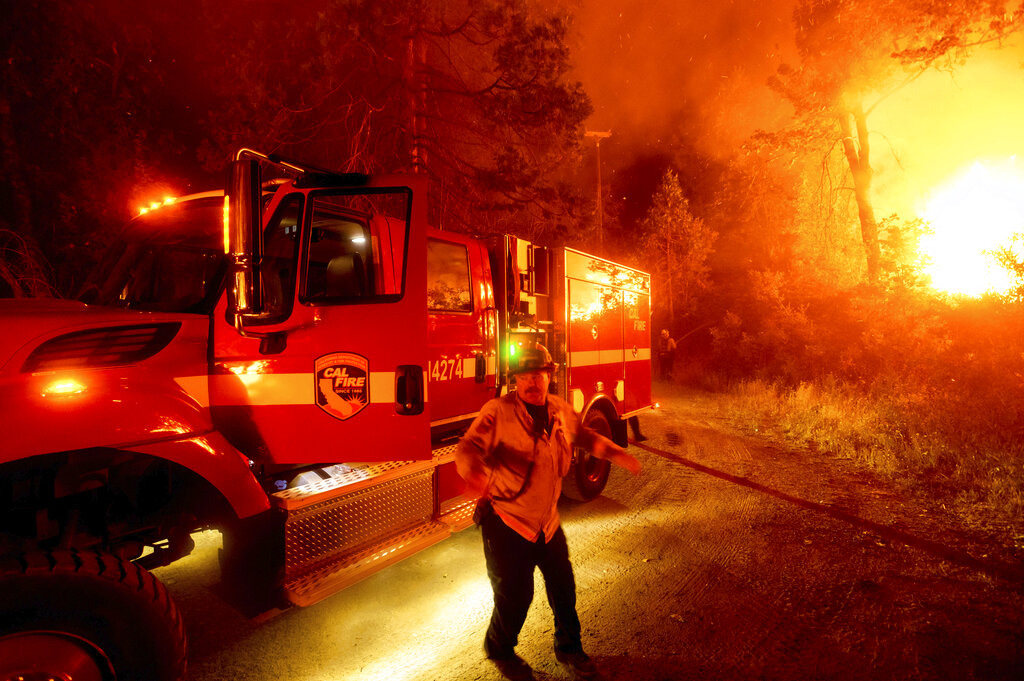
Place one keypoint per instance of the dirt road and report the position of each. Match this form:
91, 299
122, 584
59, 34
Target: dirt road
727, 558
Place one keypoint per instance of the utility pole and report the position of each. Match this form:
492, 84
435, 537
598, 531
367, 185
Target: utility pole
598, 136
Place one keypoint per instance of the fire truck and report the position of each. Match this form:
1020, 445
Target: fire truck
290, 361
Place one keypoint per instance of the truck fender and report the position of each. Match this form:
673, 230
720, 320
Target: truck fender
214, 459
106, 408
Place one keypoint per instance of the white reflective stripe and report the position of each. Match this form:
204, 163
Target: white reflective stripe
469, 367
492, 364
591, 358
616, 356
382, 386
197, 387
586, 358
275, 389
264, 390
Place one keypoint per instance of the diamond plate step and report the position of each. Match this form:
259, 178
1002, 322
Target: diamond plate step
458, 513
349, 569
342, 528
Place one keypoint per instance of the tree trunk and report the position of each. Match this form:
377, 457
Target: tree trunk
671, 276
858, 155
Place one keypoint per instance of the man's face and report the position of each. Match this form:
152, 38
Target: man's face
532, 386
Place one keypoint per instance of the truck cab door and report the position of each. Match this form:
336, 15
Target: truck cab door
461, 330
333, 368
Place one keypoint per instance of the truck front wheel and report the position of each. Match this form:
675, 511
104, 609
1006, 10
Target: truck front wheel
85, 615
588, 475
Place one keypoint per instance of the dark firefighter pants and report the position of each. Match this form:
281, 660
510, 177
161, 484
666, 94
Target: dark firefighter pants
511, 561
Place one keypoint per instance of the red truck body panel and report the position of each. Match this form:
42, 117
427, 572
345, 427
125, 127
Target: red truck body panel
330, 394
608, 343
461, 333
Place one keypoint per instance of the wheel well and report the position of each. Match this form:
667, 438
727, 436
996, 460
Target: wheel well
618, 426
109, 499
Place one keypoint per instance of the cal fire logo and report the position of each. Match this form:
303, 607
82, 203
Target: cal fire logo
342, 384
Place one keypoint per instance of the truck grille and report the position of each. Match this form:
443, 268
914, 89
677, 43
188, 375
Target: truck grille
101, 347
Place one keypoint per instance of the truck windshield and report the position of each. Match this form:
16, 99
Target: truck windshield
168, 260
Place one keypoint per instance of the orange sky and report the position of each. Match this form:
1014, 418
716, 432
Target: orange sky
654, 66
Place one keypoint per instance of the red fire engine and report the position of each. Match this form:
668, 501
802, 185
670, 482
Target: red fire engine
290, 362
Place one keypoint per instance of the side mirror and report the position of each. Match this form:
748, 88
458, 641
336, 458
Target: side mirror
242, 239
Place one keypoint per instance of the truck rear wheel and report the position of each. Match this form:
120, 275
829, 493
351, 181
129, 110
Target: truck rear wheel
588, 476
85, 615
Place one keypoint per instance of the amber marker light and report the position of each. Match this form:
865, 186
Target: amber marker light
63, 387
227, 226
168, 200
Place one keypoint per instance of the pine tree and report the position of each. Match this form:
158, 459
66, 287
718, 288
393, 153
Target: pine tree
676, 247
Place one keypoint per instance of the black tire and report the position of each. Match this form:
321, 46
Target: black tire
86, 615
588, 475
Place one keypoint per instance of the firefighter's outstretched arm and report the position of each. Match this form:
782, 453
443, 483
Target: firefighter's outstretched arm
603, 448
606, 449
473, 454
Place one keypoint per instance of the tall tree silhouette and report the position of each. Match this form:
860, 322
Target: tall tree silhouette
676, 246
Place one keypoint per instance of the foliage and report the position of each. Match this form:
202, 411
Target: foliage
962, 452
677, 246
884, 372
475, 94
1010, 259
901, 261
23, 272
84, 118
107, 105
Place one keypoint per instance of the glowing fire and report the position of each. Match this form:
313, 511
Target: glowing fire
975, 214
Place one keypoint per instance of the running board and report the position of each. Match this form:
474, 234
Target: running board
458, 515
349, 569
361, 519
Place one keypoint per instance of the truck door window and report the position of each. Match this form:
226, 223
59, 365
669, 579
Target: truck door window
448, 285
280, 258
355, 248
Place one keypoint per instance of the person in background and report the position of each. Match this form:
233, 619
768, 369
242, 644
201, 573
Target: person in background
514, 456
666, 355
634, 425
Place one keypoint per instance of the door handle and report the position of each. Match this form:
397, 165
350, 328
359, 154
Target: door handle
409, 390
481, 368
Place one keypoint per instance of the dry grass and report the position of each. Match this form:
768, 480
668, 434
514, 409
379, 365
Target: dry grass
947, 446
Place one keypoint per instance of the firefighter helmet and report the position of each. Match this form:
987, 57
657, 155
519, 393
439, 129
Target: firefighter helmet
532, 358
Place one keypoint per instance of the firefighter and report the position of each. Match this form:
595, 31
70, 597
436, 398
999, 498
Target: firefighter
666, 354
514, 456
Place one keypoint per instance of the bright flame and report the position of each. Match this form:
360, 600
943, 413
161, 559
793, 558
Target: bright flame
973, 215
